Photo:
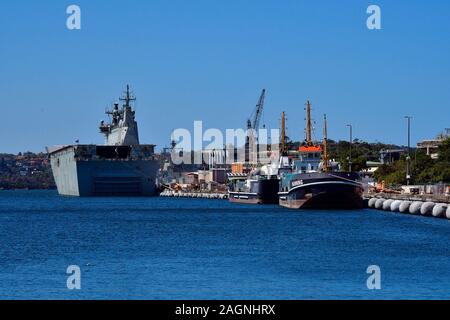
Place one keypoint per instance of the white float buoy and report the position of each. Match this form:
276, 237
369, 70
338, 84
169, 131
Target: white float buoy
404, 206
379, 203
439, 210
387, 204
371, 202
414, 208
447, 213
395, 206
427, 208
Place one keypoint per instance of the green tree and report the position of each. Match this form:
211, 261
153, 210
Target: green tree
444, 151
424, 168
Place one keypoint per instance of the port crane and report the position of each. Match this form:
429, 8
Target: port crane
253, 125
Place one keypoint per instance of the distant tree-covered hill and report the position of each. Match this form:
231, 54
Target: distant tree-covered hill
25, 171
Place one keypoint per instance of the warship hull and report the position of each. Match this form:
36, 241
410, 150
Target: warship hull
322, 191
104, 171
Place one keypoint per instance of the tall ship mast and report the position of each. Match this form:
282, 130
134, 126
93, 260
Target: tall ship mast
120, 167
308, 124
325, 161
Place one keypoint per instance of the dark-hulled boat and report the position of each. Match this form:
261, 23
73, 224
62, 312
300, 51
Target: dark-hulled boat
252, 183
256, 188
321, 190
310, 181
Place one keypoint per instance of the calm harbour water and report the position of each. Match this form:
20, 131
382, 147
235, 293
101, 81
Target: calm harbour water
164, 248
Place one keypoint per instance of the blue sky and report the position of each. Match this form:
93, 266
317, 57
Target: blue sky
209, 60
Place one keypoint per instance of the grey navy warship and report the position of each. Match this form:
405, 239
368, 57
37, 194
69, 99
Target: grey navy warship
121, 167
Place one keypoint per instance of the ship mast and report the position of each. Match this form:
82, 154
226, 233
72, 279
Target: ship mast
308, 124
128, 97
326, 166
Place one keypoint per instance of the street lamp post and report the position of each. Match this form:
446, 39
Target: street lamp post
408, 158
351, 142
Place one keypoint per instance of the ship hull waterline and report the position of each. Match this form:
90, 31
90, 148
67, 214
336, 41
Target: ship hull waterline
77, 176
323, 196
266, 192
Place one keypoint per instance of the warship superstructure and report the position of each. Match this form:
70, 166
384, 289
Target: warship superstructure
121, 167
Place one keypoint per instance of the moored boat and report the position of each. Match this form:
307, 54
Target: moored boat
309, 180
321, 190
261, 186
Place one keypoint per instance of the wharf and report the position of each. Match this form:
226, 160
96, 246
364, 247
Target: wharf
204, 195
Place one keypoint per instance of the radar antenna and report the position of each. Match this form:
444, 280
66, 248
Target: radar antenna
128, 97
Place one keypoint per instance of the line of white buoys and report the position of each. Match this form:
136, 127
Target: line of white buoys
170, 193
439, 210
395, 206
427, 208
372, 202
404, 206
387, 204
379, 203
414, 208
